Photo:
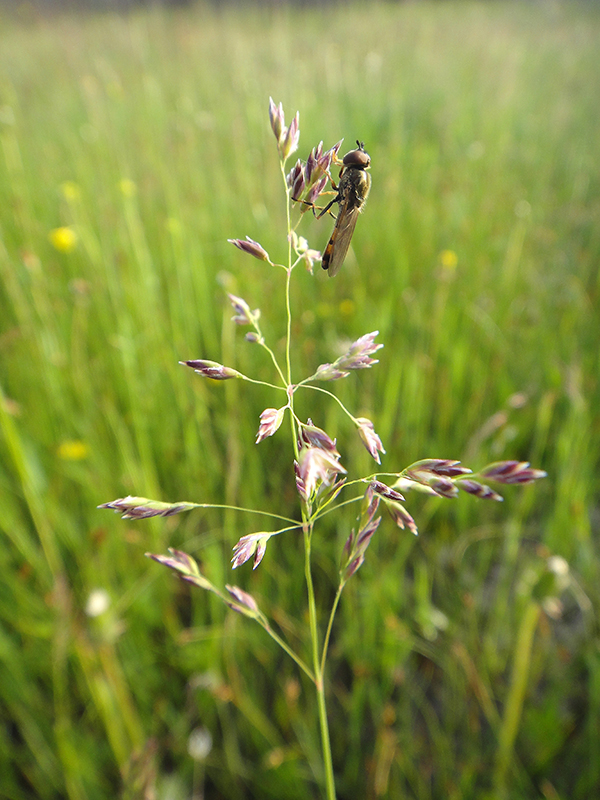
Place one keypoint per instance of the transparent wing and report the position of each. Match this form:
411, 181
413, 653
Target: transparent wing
338, 245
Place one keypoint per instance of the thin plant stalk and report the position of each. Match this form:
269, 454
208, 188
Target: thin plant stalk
307, 531
336, 601
319, 668
516, 695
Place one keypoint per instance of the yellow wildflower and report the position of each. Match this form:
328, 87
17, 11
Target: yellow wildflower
73, 450
63, 239
448, 259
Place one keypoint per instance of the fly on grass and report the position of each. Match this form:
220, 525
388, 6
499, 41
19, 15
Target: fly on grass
352, 192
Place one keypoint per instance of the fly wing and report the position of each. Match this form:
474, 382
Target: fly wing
338, 245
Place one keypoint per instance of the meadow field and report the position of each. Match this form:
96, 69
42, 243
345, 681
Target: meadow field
465, 662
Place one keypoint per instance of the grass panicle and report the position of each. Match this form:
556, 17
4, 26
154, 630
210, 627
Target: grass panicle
462, 664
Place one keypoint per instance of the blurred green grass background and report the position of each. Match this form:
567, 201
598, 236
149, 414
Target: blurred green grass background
477, 259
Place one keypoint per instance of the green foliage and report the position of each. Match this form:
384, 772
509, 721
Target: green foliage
476, 258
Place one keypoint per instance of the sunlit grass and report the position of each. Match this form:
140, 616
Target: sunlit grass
130, 150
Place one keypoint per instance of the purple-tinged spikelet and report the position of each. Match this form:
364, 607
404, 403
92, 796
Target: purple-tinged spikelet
370, 439
212, 369
270, 420
143, 508
251, 247
253, 544
510, 472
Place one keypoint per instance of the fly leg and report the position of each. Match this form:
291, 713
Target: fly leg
336, 199
321, 209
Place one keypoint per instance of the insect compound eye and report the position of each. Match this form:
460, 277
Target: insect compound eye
357, 158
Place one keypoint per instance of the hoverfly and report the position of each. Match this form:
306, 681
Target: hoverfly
352, 191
